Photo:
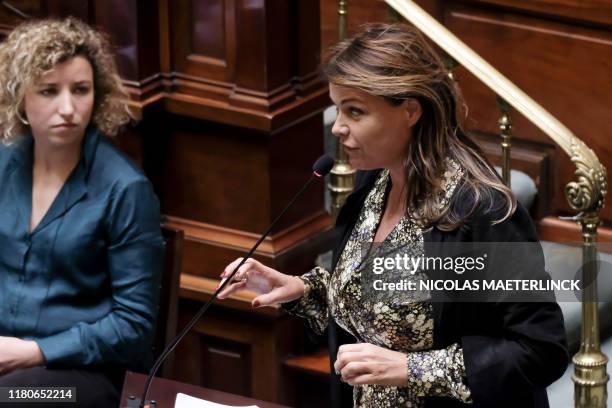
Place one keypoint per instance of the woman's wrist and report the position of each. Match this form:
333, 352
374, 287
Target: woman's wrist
296, 288
301, 287
35, 355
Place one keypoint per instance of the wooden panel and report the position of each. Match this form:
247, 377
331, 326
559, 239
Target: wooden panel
257, 82
202, 34
534, 159
304, 17
252, 51
316, 363
237, 179
219, 179
359, 12
594, 11
227, 365
15, 12
121, 17
292, 154
207, 258
137, 54
249, 340
564, 68
61, 8
208, 29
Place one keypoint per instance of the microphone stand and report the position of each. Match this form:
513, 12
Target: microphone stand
142, 403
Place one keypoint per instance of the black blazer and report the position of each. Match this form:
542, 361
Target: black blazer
512, 351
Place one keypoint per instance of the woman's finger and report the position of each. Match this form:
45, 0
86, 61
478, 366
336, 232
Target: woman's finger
242, 272
244, 269
230, 267
361, 380
355, 369
275, 296
344, 358
231, 288
350, 347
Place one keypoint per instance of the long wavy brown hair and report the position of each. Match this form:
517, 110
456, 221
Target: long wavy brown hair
34, 48
395, 62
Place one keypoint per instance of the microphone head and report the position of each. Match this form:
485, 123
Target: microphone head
322, 166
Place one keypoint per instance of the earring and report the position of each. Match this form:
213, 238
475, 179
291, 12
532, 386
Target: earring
25, 122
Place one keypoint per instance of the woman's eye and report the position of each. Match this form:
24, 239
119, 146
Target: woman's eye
355, 112
81, 90
47, 92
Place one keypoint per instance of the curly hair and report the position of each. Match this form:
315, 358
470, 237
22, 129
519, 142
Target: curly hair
34, 48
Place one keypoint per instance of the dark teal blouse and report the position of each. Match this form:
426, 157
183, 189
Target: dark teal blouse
84, 284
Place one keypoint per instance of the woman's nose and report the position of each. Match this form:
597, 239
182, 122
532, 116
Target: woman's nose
66, 104
339, 129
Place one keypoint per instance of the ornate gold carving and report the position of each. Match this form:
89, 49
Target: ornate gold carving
587, 194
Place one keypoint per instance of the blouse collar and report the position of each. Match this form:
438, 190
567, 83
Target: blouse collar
73, 190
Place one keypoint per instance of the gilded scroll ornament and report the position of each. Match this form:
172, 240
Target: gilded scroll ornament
588, 193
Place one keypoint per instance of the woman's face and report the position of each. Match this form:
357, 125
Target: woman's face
59, 106
374, 133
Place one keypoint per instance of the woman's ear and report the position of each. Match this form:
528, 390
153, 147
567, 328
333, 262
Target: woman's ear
413, 111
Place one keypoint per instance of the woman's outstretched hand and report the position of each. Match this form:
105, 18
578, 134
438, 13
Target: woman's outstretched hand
365, 363
271, 285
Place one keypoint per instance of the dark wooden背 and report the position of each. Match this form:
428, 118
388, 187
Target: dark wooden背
167, 315
315, 363
164, 392
532, 158
579, 11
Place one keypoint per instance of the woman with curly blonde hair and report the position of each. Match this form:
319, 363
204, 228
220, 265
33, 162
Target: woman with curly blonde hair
79, 223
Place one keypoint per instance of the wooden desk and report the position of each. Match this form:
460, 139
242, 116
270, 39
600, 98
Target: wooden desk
164, 393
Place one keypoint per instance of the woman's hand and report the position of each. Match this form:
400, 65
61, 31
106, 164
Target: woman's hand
272, 286
365, 363
16, 353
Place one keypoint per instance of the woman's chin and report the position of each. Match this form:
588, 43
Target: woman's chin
358, 164
58, 140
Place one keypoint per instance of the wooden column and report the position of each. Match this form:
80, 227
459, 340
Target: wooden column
239, 127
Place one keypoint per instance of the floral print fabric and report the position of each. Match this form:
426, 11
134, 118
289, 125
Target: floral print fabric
404, 324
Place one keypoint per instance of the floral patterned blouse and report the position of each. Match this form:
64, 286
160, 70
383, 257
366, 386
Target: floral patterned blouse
405, 326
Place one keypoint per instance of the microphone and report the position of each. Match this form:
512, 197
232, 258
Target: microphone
320, 169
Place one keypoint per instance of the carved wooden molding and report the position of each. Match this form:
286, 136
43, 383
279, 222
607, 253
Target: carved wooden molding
273, 245
202, 289
223, 103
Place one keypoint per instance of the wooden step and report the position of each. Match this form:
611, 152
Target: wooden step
314, 363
